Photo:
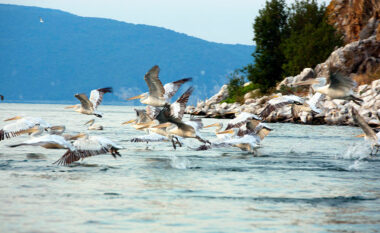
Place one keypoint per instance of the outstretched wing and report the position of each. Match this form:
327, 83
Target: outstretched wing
151, 78
340, 82
172, 88
279, 102
96, 96
152, 111
196, 123
370, 134
314, 102
17, 128
177, 109
83, 148
86, 104
241, 120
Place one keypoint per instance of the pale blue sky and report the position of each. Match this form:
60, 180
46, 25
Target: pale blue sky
223, 21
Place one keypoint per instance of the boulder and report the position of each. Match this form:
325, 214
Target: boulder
220, 96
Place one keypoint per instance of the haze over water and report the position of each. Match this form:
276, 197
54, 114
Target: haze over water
306, 178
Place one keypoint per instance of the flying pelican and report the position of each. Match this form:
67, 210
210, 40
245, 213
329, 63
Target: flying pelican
22, 125
158, 95
369, 133
88, 106
311, 106
48, 141
93, 126
336, 86
242, 119
87, 146
142, 119
247, 137
174, 111
278, 102
219, 127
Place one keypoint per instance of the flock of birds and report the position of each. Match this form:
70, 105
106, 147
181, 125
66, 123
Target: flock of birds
163, 120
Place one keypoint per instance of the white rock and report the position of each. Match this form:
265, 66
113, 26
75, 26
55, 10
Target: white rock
363, 88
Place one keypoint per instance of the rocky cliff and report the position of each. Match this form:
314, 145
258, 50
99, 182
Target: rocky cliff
356, 19
359, 59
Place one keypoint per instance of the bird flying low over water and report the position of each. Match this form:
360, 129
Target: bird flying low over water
278, 102
247, 137
22, 125
369, 133
336, 86
48, 141
167, 117
87, 146
242, 119
89, 106
158, 94
93, 125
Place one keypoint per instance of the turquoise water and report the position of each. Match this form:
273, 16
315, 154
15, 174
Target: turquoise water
305, 178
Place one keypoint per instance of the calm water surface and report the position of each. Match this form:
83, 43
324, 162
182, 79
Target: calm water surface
306, 178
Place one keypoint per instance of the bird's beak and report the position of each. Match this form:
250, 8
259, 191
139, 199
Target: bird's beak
307, 82
89, 122
163, 125
231, 112
79, 135
128, 122
216, 124
143, 125
136, 97
57, 127
13, 118
360, 135
72, 106
226, 131
32, 130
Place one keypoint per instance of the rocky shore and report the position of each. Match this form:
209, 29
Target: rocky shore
357, 59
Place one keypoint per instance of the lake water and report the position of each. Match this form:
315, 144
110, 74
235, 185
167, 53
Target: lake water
306, 178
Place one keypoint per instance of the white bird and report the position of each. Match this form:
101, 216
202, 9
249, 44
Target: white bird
247, 137
218, 129
48, 141
22, 125
278, 102
369, 133
158, 94
41, 20
89, 106
310, 106
142, 121
93, 125
241, 119
87, 146
336, 86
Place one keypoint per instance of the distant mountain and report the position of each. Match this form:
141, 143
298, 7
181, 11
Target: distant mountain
49, 55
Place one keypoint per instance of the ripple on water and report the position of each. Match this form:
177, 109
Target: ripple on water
306, 178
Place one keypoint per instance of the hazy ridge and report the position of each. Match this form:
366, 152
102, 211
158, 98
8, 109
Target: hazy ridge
66, 54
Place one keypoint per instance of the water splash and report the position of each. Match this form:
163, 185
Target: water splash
179, 163
356, 151
357, 165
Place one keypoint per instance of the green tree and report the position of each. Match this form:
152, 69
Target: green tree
270, 28
311, 38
